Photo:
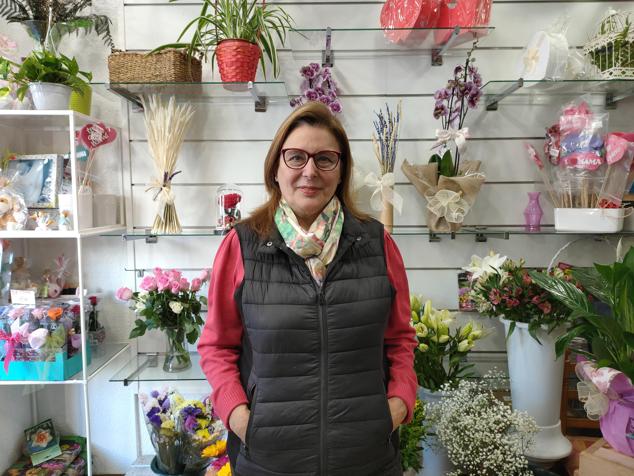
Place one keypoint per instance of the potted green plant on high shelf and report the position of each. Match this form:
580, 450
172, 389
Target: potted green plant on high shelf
49, 77
241, 33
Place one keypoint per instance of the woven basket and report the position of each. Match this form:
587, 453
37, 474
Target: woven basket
237, 60
165, 66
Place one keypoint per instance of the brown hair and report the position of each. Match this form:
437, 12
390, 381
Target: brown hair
313, 114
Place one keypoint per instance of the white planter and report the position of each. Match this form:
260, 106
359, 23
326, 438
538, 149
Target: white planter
435, 459
84, 208
589, 220
536, 378
50, 96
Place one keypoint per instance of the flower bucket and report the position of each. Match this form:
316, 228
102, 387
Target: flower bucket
536, 375
608, 395
435, 458
81, 102
237, 60
50, 96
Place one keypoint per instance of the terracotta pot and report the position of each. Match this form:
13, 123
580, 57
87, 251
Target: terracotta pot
237, 60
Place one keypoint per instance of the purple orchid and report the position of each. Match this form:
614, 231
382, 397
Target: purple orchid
318, 85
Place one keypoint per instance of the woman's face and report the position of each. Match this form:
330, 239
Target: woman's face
308, 190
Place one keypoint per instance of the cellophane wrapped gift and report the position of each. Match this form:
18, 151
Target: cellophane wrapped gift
466, 13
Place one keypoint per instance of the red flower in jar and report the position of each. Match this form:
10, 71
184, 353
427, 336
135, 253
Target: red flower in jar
93, 300
230, 200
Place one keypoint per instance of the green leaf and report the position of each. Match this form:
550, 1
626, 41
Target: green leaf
434, 159
136, 332
446, 164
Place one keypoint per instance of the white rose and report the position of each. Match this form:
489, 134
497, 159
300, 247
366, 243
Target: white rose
176, 307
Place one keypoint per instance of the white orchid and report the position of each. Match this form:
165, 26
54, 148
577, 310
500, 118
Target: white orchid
482, 267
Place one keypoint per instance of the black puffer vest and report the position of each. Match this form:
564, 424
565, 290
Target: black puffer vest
313, 361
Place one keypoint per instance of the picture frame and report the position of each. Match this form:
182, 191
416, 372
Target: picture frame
37, 178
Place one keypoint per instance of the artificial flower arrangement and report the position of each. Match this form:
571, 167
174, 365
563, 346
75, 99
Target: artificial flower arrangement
450, 184
186, 434
318, 85
385, 141
482, 434
606, 322
170, 303
503, 287
440, 357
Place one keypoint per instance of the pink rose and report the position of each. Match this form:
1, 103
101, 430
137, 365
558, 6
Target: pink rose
158, 272
175, 287
38, 313
196, 284
174, 275
204, 275
163, 283
123, 294
184, 284
148, 283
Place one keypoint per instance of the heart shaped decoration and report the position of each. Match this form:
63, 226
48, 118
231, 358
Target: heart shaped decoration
96, 134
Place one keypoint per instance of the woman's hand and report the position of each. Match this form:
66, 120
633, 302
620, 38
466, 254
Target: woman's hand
238, 421
398, 410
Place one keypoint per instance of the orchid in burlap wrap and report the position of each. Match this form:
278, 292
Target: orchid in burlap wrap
449, 199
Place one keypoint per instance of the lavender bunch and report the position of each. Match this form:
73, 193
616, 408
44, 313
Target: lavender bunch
318, 85
462, 92
385, 140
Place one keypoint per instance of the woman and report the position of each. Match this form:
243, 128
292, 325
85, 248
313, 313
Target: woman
307, 344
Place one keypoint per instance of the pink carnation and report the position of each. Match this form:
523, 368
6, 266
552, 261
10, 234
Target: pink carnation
123, 294
175, 287
148, 283
184, 284
163, 283
196, 284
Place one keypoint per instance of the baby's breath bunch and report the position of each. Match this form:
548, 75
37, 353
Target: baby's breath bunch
483, 435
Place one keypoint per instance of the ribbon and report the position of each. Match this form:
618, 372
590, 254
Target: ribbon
597, 387
459, 136
448, 204
164, 193
383, 190
18, 335
531, 59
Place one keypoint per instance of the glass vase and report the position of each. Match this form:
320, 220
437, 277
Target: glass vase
167, 445
533, 213
177, 357
228, 205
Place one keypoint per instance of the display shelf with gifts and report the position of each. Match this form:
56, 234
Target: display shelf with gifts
148, 367
535, 92
260, 93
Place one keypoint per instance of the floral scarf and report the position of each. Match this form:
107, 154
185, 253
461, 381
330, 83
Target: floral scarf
319, 244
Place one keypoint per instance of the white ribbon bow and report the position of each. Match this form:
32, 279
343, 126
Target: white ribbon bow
531, 58
383, 189
448, 204
459, 136
594, 401
164, 195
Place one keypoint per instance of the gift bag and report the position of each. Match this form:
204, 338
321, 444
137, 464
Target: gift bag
465, 14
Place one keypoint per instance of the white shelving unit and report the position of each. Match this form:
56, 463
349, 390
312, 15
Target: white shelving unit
39, 132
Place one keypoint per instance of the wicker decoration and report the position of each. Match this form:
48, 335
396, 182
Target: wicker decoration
165, 66
237, 60
612, 48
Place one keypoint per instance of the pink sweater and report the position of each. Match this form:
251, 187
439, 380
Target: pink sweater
220, 342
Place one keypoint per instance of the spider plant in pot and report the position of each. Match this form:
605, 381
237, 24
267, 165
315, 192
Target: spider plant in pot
241, 33
50, 78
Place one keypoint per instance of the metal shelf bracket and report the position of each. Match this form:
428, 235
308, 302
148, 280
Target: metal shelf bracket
328, 55
492, 101
261, 102
436, 53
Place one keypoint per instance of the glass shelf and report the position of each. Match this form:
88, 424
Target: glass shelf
148, 367
260, 93
44, 120
372, 40
503, 232
101, 356
520, 91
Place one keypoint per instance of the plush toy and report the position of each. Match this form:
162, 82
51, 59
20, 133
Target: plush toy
13, 211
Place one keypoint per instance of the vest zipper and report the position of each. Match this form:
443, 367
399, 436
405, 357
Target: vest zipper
324, 379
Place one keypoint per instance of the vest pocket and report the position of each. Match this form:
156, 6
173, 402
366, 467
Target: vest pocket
247, 436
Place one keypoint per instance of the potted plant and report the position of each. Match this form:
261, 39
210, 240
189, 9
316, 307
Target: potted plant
533, 319
607, 324
64, 19
440, 360
481, 433
239, 31
410, 438
50, 78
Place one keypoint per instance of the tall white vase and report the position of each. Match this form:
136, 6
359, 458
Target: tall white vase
435, 459
536, 378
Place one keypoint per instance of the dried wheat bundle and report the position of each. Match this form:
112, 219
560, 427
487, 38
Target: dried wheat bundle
166, 125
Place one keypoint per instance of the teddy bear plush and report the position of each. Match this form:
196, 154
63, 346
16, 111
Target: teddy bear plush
12, 211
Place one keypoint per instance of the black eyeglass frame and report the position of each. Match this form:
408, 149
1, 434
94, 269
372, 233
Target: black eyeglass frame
311, 156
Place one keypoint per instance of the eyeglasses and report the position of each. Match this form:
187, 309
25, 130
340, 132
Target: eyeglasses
324, 160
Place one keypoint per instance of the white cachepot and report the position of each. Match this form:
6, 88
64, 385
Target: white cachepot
536, 379
50, 96
435, 459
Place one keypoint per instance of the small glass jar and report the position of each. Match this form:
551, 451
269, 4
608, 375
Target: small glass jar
228, 204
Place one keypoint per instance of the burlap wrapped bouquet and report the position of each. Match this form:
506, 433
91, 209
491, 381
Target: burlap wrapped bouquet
449, 199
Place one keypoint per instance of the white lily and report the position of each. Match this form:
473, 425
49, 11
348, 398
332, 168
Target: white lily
482, 267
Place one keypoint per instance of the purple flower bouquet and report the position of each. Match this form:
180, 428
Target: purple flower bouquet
318, 85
